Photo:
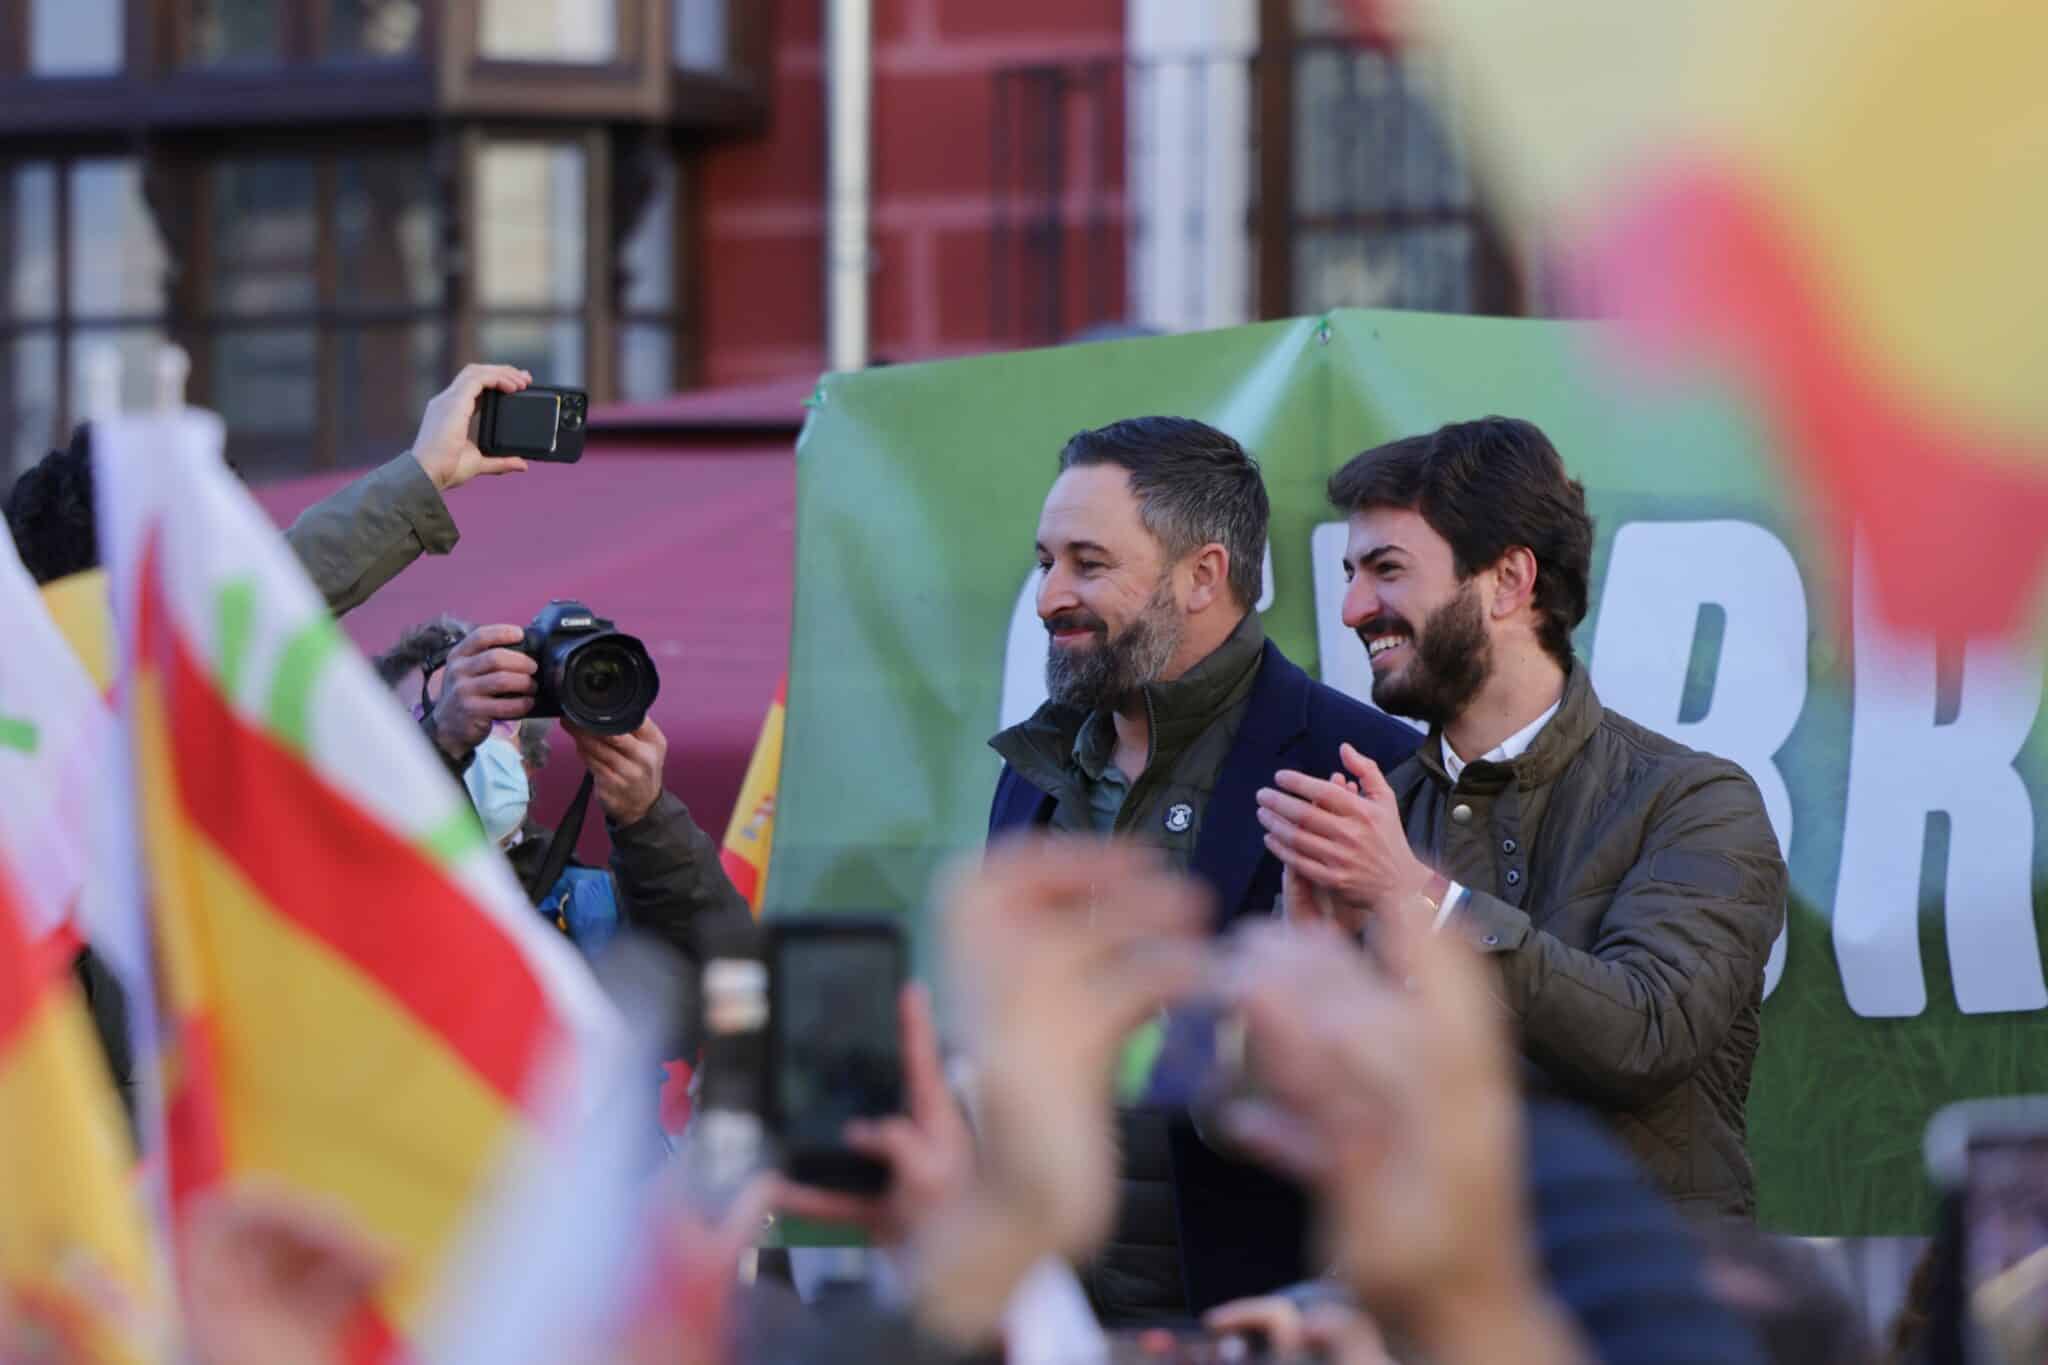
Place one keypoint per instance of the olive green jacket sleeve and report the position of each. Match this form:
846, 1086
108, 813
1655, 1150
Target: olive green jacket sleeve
671, 882
357, 540
1678, 957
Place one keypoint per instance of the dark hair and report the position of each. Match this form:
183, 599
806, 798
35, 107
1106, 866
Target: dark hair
1487, 487
425, 647
50, 513
1194, 485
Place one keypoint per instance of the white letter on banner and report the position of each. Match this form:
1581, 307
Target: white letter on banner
1658, 577
1902, 766
1024, 649
1342, 657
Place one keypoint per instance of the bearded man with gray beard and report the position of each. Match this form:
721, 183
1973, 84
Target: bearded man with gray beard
1168, 710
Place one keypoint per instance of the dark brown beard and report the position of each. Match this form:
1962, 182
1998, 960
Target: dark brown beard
1452, 661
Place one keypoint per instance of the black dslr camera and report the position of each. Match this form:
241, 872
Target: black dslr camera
591, 675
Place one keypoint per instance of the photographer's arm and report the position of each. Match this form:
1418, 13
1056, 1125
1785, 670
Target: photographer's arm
360, 538
670, 883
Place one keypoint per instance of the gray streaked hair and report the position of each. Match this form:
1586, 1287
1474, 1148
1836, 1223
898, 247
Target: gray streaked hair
1195, 486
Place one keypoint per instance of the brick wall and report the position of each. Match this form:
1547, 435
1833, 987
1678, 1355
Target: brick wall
762, 200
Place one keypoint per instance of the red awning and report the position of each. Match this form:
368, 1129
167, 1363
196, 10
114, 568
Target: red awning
691, 550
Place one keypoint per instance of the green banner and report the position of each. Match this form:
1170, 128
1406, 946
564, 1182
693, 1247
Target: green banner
1906, 777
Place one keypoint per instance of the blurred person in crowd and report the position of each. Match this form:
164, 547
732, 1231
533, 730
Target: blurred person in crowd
1465, 1223
1625, 888
471, 690
1798, 1313
1168, 709
1408, 1083
351, 544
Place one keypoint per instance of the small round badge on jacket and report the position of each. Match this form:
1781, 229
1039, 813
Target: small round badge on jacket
1179, 817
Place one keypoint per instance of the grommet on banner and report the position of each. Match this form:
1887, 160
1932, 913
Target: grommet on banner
100, 382
173, 366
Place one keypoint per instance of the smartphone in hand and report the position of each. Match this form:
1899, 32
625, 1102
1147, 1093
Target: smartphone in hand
536, 423
835, 1050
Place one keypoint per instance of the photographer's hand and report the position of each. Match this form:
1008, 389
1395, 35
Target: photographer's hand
483, 682
444, 446
625, 770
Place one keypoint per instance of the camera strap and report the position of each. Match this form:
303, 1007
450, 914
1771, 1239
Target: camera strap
561, 844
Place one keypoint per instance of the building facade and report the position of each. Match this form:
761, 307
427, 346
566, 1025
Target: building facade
332, 204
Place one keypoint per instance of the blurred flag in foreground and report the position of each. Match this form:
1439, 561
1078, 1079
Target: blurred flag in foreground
77, 1280
1838, 202
353, 999
54, 725
750, 836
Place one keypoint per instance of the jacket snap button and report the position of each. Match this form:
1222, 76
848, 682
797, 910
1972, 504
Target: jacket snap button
1514, 877
1461, 814
1492, 940
1508, 845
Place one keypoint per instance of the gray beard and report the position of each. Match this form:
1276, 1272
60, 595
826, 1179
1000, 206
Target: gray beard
1106, 675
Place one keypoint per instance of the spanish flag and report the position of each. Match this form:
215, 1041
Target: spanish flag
77, 1278
1839, 206
750, 836
353, 999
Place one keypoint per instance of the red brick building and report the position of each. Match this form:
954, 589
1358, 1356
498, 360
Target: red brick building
1042, 168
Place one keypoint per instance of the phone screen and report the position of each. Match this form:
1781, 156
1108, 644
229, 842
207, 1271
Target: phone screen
836, 1023
526, 422
2005, 1240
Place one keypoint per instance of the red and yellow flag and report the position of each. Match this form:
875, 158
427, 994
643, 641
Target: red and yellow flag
77, 1281
353, 998
750, 836
1839, 204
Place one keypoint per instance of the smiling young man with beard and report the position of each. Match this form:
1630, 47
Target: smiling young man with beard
1627, 888
1168, 710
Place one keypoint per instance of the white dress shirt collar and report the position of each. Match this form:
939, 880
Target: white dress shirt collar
1510, 749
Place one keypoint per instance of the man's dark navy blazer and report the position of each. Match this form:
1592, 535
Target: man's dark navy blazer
1243, 1230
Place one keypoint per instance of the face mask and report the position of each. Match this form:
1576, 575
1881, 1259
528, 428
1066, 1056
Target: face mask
496, 779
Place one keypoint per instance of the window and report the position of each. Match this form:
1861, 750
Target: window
702, 40
582, 32
1385, 212
377, 29
235, 32
85, 271
531, 257
75, 37
326, 327
647, 295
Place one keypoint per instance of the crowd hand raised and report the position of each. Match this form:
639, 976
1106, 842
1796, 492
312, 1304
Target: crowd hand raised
625, 770
1344, 835
445, 446
929, 1151
682, 1315
485, 681
1338, 1333
1397, 1100
267, 1277
1052, 989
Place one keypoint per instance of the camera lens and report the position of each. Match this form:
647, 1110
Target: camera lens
608, 685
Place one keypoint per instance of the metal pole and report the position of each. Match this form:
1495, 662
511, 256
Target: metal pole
849, 83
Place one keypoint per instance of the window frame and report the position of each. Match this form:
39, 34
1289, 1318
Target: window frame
1496, 282
202, 323
66, 324
595, 314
